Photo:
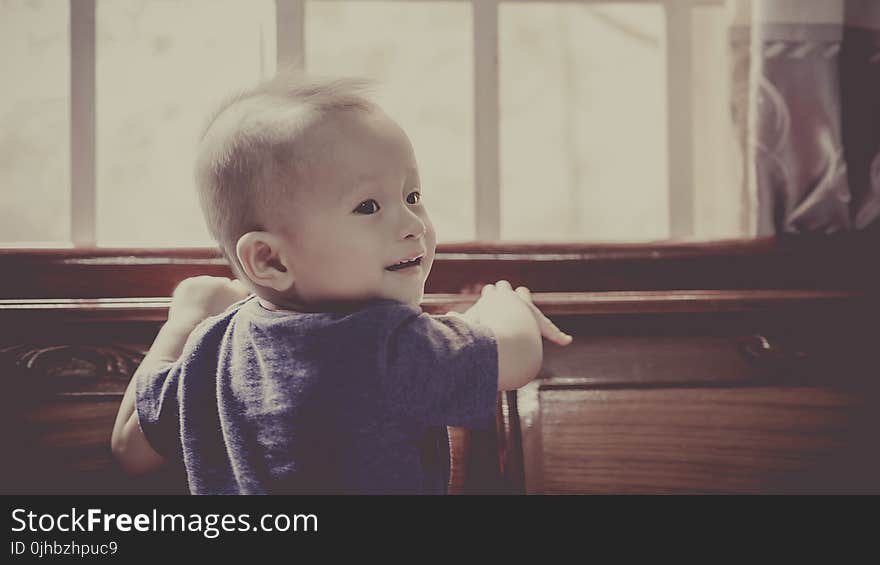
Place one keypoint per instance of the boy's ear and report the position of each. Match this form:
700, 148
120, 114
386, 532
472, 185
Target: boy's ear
259, 253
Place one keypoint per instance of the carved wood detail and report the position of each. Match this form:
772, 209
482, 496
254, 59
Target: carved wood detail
97, 369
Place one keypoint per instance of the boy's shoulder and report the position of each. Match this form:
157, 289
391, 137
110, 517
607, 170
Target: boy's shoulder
249, 316
379, 318
250, 310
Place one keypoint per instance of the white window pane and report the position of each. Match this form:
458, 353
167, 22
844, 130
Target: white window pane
162, 67
421, 55
583, 122
719, 197
35, 122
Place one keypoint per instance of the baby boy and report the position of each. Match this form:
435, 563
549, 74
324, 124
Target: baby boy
316, 371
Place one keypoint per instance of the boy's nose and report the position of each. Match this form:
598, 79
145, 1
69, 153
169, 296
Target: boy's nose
413, 228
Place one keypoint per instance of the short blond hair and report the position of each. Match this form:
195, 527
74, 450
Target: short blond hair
251, 152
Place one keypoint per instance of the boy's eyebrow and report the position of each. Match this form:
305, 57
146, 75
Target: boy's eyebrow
363, 183
361, 187
358, 192
366, 180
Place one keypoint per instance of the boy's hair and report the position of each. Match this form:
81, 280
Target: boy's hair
251, 152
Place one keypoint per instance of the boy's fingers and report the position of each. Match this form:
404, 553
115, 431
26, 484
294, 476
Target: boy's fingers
487, 288
504, 285
557, 336
548, 329
524, 293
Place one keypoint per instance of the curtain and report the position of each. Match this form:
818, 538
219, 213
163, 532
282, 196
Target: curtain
806, 106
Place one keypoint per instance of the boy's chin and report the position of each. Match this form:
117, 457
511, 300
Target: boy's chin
414, 297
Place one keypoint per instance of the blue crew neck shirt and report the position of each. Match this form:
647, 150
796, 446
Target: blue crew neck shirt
280, 402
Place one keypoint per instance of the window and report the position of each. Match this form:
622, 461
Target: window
532, 120
583, 137
160, 67
35, 122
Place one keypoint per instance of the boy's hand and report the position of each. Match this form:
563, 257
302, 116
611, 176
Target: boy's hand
494, 296
197, 298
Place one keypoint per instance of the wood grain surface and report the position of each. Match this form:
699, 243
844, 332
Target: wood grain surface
712, 440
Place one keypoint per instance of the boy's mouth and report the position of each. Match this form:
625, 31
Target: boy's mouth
406, 263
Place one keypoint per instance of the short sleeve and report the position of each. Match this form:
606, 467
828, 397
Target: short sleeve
440, 370
158, 408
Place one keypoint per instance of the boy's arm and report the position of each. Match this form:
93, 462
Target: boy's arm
193, 300
128, 442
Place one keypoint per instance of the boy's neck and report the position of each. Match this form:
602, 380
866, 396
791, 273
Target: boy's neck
303, 308
267, 305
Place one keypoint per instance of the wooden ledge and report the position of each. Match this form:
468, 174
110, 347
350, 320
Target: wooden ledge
660, 301
841, 262
155, 309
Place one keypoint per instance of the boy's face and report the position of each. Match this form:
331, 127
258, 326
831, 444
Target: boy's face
361, 215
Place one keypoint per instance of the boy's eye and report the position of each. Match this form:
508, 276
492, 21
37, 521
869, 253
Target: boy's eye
414, 197
367, 207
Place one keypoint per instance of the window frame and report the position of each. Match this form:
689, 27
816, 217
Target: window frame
291, 49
